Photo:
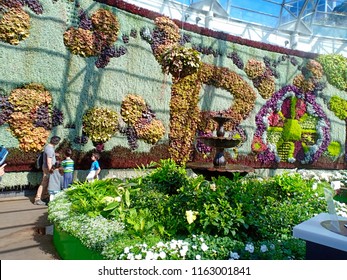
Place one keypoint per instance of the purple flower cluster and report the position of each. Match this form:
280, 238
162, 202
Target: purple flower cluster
6, 109
33, 5
43, 118
200, 146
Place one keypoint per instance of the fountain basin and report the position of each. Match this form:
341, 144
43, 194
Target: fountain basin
208, 170
219, 142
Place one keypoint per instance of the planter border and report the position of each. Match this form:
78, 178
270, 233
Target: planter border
71, 248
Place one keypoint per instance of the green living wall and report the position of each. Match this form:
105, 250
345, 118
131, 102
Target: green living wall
138, 86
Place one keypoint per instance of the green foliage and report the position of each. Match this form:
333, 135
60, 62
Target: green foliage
335, 67
168, 177
339, 107
291, 130
141, 222
100, 124
109, 197
168, 215
180, 61
334, 149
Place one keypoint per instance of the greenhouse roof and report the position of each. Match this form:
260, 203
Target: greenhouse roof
306, 17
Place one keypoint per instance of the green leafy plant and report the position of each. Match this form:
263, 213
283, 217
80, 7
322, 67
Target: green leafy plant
335, 66
334, 149
244, 218
132, 107
180, 61
339, 106
100, 124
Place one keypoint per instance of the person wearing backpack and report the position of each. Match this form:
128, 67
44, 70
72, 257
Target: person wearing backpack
49, 161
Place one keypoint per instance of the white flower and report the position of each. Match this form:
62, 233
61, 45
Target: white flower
138, 257
173, 245
198, 257
149, 255
118, 199
183, 252
162, 255
263, 248
126, 250
204, 247
249, 247
130, 256
213, 187
194, 247
234, 256
160, 244
325, 176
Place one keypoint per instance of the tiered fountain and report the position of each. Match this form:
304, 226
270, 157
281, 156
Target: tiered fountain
219, 167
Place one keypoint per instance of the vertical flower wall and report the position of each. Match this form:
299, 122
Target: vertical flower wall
111, 76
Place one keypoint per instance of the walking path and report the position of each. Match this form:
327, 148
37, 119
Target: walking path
23, 230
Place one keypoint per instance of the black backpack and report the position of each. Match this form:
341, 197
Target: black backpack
39, 161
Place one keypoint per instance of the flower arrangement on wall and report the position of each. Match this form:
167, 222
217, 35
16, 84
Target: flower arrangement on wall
184, 111
95, 36
338, 106
15, 22
335, 66
99, 125
291, 127
261, 76
30, 115
309, 80
141, 121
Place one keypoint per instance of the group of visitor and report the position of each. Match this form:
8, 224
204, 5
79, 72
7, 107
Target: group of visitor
57, 174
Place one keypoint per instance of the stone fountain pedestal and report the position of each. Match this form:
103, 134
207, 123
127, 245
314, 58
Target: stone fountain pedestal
219, 166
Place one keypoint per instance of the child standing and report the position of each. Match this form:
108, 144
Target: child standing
95, 168
56, 180
68, 166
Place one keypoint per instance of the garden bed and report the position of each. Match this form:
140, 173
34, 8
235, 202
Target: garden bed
169, 215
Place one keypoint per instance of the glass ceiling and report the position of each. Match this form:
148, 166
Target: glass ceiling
325, 18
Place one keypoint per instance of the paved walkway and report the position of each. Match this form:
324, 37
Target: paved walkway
23, 230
